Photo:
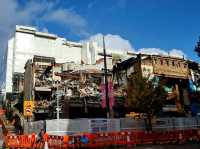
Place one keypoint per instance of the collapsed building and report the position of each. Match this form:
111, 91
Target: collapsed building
38, 82
26, 41
81, 90
177, 73
75, 86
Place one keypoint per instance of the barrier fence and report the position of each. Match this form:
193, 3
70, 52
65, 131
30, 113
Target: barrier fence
72, 126
104, 139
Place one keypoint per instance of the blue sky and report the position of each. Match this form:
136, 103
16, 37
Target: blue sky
150, 24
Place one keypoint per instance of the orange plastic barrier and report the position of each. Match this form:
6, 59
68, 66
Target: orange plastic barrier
104, 139
2, 112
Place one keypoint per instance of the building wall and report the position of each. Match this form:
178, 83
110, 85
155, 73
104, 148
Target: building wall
170, 67
27, 42
28, 45
28, 81
9, 65
147, 68
18, 82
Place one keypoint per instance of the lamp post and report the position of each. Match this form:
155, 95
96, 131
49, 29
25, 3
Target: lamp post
106, 80
59, 94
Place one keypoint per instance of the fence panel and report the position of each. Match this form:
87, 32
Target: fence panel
161, 124
66, 126
131, 124
30, 127
104, 125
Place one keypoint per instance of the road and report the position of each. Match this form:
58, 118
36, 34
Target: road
185, 146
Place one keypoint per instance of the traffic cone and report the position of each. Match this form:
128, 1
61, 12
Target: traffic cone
46, 145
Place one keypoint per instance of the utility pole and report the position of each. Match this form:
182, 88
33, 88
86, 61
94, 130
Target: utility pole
58, 95
57, 108
106, 80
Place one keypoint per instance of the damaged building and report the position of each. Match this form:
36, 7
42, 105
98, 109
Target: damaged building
81, 90
26, 41
76, 86
177, 73
38, 83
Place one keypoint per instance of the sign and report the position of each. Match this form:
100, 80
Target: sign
98, 125
28, 108
104, 125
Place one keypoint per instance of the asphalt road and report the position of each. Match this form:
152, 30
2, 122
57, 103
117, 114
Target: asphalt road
185, 146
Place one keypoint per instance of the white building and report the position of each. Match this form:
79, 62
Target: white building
28, 41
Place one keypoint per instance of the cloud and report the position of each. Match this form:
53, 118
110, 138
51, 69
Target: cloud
118, 43
70, 18
111, 41
152, 51
177, 53
157, 51
33, 12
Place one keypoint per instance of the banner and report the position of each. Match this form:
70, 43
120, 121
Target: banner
28, 108
110, 95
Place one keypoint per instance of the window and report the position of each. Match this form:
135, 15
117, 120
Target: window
179, 64
173, 63
167, 62
161, 62
185, 65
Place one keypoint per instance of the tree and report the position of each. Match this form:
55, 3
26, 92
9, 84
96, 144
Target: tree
144, 96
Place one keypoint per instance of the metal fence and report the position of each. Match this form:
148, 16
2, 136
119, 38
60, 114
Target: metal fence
131, 124
71, 126
160, 124
30, 127
66, 126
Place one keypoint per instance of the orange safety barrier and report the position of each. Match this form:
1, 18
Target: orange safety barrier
2, 112
104, 139
138, 137
148, 138
164, 137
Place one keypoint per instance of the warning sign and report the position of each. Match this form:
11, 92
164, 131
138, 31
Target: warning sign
28, 108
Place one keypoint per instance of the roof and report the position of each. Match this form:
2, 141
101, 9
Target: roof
125, 64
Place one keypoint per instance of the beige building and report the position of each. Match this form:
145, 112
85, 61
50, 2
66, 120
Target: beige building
173, 71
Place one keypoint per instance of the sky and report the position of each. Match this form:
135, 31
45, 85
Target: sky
147, 26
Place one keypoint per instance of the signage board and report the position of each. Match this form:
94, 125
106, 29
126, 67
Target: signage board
28, 108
